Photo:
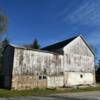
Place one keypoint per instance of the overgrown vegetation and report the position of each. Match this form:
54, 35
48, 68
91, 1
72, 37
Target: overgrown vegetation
44, 92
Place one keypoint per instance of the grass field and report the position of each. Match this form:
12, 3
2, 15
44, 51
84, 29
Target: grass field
44, 92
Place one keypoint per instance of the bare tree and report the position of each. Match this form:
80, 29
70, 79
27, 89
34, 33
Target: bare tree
3, 23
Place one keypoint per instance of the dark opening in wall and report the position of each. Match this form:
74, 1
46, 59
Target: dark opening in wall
40, 77
81, 76
44, 77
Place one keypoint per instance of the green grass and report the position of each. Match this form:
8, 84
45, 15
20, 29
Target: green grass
44, 92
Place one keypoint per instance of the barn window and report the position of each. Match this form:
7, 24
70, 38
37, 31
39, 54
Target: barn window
81, 76
44, 77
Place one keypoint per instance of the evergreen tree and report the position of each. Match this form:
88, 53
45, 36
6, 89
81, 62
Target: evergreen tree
36, 44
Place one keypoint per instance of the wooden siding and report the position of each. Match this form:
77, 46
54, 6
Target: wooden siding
29, 65
33, 62
78, 57
78, 46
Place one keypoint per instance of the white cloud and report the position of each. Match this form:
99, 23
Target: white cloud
88, 13
94, 38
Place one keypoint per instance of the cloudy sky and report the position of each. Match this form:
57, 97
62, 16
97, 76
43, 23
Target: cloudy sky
52, 20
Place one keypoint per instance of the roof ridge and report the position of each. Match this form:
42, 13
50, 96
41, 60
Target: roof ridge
57, 43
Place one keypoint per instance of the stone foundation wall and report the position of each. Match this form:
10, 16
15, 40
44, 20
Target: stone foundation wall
22, 82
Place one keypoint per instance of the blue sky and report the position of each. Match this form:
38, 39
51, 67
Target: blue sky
52, 20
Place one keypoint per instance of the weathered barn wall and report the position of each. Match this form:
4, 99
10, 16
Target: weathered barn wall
35, 63
77, 63
78, 46
78, 59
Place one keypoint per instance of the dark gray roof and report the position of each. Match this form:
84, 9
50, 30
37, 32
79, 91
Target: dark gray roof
59, 45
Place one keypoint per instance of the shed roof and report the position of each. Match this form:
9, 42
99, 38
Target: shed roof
25, 48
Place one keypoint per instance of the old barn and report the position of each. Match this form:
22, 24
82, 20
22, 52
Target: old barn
63, 64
